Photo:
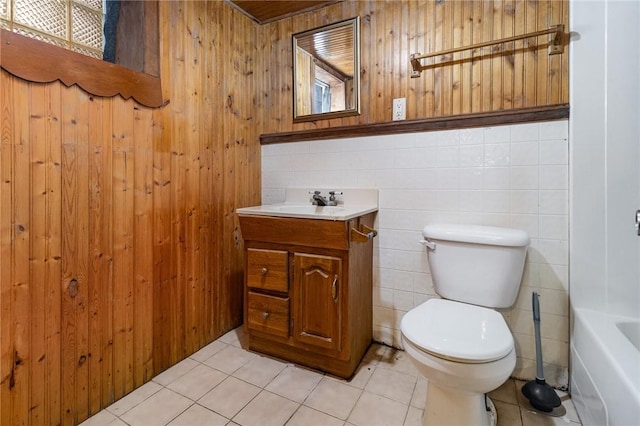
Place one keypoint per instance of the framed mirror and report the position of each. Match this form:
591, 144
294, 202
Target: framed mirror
326, 72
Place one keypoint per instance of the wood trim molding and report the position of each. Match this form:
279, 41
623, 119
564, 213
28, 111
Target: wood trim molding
483, 119
41, 62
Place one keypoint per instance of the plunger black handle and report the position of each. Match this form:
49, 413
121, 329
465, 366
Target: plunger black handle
535, 303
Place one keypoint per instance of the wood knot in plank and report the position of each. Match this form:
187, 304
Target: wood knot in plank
72, 288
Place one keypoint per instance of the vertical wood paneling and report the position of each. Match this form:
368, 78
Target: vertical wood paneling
38, 196
502, 77
70, 264
81, 230
238, 124
437, 20
508, 84
161, 204
193, 59
530, 54
497, 58
176, 279
98, 290
53, 214
218, 169
564, 64
389, 71
458, 21
372, 68
120, 252
542, 59
206, 238
143, 243
421, 87
103, 193
448, 87
476, 58
231, 95
6, 248
554, 85
123, 254
21, 284
519, 26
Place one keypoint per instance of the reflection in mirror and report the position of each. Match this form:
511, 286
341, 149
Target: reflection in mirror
326, 71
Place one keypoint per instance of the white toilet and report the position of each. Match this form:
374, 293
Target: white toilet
459, 343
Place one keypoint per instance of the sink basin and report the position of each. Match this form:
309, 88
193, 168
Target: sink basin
351, 203
310, 209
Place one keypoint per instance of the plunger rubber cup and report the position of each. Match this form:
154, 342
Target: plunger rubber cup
541, 396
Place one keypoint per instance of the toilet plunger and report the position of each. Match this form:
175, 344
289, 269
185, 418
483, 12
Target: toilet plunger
541, 396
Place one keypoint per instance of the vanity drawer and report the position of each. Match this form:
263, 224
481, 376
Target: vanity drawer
268, 314
267, 270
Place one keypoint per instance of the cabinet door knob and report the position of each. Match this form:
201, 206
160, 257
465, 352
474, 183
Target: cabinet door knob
265, 315
264, 271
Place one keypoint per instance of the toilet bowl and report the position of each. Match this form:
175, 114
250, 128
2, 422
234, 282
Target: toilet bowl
461, 363
462, 346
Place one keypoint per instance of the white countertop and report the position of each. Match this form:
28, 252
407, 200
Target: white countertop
353, 202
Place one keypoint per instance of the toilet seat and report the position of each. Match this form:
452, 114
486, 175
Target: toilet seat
458, 331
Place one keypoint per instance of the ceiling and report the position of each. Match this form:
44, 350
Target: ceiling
268, 11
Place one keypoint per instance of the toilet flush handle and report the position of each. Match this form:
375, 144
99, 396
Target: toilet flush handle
429, 244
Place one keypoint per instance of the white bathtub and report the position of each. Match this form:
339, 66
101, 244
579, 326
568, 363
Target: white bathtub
605, 368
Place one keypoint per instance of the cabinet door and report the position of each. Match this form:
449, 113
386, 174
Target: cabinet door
317, 300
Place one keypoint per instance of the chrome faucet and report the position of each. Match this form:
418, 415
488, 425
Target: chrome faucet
319, 200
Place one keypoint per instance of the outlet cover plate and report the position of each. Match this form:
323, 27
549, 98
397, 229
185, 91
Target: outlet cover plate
399, 111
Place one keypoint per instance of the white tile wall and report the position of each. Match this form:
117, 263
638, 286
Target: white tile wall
515, 175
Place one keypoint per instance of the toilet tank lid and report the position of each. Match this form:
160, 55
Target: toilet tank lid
478, 234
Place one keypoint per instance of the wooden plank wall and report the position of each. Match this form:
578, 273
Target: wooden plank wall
504, 77
120, 252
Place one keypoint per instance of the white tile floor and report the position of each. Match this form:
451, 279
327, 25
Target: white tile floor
225, 384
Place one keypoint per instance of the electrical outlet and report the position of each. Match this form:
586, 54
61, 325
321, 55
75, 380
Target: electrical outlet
399, 109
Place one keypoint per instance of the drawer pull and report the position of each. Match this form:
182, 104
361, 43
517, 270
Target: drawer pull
363, 235
334, 289
264, 271
265, 315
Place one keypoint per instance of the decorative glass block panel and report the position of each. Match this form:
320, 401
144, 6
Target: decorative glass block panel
49, 16
38, 36
88, 52
48, 21
4, 10
87, 27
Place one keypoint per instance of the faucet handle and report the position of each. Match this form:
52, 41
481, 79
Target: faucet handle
332, 195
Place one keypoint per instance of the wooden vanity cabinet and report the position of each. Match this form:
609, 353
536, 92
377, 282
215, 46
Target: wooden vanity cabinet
308, 290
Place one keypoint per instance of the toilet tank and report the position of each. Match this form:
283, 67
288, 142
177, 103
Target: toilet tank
480, 265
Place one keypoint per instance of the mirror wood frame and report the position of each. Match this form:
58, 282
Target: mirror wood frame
354, 108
